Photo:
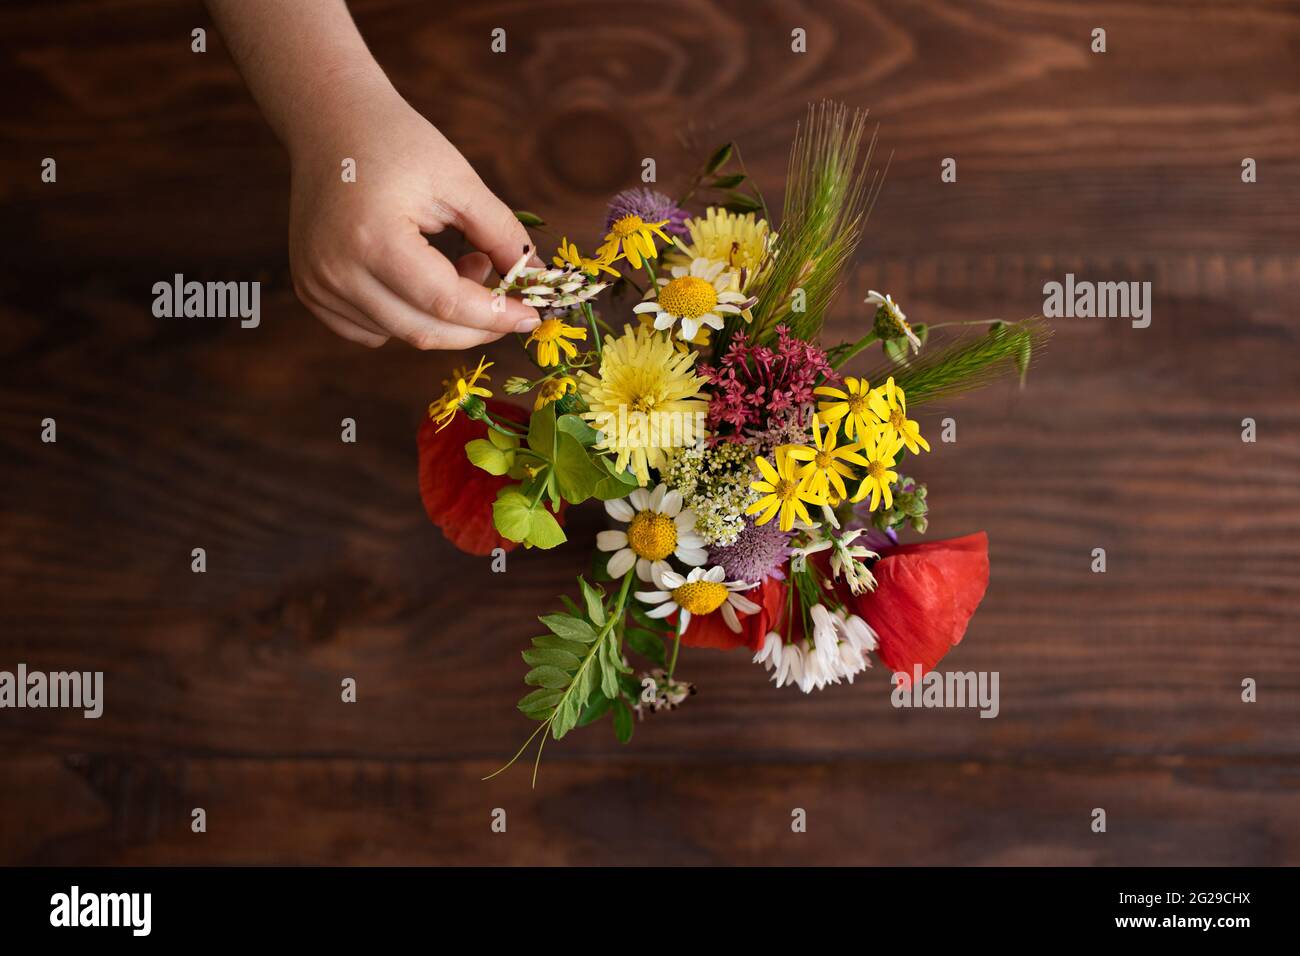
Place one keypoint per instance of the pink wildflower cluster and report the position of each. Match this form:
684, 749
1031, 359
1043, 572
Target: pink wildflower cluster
755, 383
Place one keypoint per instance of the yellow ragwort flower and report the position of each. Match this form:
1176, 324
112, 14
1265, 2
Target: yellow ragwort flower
554, 389
553, 335
782, 492
568, 257
890, 404
853, 407
462, 384
827, 464
879, 453
634, 238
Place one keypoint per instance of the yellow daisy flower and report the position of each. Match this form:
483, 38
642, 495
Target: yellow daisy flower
853, 408
828, 464
568, 256
645, 401
890, 404
554, 389
879, 453
553, 335
782, 492
462, 384
635, 238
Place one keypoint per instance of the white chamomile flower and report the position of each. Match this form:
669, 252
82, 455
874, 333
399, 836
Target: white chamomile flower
700, 592
698, 295
657, 527
890, 320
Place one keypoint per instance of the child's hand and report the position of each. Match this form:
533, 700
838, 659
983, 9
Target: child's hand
358, 257
359, 261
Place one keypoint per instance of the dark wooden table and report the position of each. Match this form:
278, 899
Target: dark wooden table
1119, 690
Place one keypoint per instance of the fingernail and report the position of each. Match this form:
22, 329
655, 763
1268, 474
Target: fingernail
527, 325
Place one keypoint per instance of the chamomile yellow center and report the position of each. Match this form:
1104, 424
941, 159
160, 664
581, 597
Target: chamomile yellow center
652, 535
700, 597
627, 226
689, 297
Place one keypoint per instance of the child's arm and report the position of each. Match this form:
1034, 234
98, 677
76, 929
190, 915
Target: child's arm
359, 260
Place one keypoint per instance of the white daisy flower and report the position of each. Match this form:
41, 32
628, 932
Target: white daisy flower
698, 295
893, 320
658, 526
700, 592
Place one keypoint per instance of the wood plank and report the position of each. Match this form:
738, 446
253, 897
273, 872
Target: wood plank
1173, 811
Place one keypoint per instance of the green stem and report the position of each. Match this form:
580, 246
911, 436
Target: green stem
591, 320
854, 349
677, 646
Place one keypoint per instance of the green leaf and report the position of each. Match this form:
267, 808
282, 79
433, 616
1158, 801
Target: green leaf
578, 476
538, 656
623, 724
541, 432
610, 668
579, 429
544, 531
549, 642
547, 676
486, 455
512, 515
595, 601
594, 711
618, 484
729, 182
647, 644
741, 203
542, 701
502, 440
529, 218
569, 628
719, 158
566, 717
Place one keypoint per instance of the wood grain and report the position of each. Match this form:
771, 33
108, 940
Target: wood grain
1119, 690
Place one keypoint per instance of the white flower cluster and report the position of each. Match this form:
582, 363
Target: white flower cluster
715, 483
548, 288
839, 648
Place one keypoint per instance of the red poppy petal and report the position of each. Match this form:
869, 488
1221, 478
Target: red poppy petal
457, 495
924, 598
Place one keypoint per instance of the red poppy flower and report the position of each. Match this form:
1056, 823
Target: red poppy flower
458, 495
925, 595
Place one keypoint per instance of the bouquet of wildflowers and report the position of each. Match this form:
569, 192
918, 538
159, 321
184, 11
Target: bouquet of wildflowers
755, 487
